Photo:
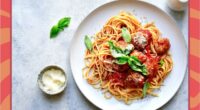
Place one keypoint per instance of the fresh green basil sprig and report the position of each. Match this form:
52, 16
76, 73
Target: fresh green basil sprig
145, 88
62, 23
122, 57
136, 65
88, 43
126, 35
161, 62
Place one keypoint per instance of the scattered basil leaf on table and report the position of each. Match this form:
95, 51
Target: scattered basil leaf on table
62, 23
145, 88
126, 35
88, 43
54, 31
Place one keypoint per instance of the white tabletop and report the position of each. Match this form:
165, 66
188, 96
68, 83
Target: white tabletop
33, 50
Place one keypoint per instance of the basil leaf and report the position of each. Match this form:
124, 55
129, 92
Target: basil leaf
161, 62
145, 88
135, 60
126, 35
113, 47
122, 60
115, 51
54, 31
126, 52
116, 54
88, 43
64, 22
144, 70
134, 67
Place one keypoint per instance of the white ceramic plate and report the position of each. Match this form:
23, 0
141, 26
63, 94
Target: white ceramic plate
95, 21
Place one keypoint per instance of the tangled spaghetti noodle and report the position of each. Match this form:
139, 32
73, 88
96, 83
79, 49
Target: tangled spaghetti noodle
121, 80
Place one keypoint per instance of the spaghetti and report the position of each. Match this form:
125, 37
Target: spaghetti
123, 68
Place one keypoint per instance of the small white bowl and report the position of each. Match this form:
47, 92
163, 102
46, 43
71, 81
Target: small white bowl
41, 84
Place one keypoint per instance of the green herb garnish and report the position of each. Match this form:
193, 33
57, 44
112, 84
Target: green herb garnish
117, 51
62, 23
136, 65
145, 88
135, 60
88, 43
144, 70
126, 35
122, 58
161, 62
114, 48
54, 31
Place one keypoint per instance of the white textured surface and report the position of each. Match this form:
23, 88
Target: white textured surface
32, 50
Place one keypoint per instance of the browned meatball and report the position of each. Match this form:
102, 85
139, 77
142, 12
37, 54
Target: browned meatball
120, 68
147, 34
162, 46
141, 39
134, 79
152, 66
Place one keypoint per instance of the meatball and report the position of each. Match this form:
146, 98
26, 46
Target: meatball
134, 79
117, 76
152, 66
141, 39
142, 57
147, 34
120, 68
162, 46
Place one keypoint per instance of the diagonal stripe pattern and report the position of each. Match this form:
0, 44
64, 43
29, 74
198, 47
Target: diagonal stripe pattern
5, 55
194, 55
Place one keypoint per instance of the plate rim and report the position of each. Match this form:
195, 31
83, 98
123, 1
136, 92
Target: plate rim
152, 5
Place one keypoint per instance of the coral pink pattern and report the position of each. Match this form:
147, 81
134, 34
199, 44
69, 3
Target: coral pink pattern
5, 55
194, 55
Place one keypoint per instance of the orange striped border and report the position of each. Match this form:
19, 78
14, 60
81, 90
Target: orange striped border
5, 55
194, 54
